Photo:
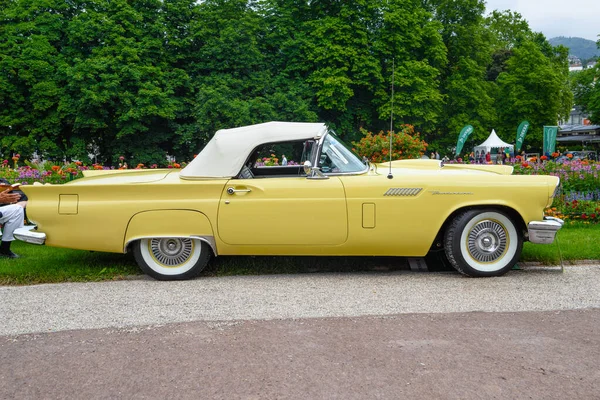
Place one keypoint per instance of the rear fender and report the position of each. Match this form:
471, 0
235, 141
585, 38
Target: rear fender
169, 223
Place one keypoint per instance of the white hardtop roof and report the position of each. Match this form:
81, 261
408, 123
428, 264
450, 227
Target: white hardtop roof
225, 154
493, 142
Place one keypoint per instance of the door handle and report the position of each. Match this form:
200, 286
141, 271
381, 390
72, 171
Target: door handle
231, 190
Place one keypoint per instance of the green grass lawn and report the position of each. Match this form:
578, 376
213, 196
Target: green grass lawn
41, 264
577, 242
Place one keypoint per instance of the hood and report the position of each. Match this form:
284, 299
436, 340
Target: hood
436, 165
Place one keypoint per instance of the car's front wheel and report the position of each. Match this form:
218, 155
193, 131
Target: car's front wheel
171, 258
483, 243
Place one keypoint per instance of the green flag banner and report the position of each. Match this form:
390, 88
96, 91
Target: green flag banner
462, 138
550, 133
521, 132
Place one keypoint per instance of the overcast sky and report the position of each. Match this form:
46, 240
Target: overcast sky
578, 18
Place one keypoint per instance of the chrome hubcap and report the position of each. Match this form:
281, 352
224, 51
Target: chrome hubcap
487, 241
171, 252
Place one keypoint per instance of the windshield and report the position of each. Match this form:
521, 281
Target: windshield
335, 157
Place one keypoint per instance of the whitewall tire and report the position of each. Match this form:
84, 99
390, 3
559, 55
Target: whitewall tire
171, 258
483, 243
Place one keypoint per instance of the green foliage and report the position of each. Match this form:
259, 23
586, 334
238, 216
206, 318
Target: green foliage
578, 241
533, 87
586, 91
143, 79
469, 97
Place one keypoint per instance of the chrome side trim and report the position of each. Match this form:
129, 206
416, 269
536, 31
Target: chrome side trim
402, 191
544, 232
28, 234
209, 240
556, 190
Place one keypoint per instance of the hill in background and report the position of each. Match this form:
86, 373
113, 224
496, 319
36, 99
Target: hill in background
584, 49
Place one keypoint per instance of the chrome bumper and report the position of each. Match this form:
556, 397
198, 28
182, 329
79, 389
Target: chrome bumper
543, 232
30, 235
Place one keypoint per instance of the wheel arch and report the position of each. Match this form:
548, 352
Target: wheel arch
511, 212
169, 223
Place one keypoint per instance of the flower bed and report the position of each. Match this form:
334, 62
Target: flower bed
54, 174
579, 198
48, 172
576, 176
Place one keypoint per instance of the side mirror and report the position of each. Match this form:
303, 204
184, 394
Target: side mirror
313, 172
307, 167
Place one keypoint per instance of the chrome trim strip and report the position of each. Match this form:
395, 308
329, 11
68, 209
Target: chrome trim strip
544, 232
556, 190
29, 235
210, 240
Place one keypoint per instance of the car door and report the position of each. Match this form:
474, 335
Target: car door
283, 211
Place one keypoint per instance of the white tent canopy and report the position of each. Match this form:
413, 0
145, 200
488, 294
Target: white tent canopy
493, 142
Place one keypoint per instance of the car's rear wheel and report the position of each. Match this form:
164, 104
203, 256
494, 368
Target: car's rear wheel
483, 243
171, 258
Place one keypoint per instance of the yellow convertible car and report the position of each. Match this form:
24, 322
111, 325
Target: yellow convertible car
282, 188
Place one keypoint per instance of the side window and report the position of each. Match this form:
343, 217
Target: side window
281, 159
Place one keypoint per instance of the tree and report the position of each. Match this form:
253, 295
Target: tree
507, 28
469, 96
531, 88
235, 82
119, 84
411, 40
31, 88
586, 91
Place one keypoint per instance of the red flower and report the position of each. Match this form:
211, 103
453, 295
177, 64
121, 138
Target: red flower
544, 158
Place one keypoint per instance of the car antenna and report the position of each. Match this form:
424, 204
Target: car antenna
390, 176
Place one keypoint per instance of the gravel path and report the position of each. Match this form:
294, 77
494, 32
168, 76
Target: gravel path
59, 307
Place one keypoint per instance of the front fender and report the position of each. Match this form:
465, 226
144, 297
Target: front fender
169, 223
